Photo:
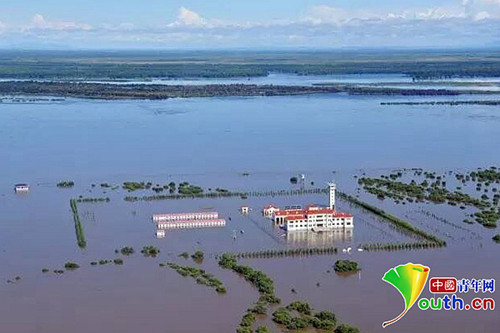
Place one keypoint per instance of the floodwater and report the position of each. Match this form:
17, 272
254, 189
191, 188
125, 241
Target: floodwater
211, 142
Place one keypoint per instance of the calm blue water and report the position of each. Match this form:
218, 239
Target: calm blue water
98, 139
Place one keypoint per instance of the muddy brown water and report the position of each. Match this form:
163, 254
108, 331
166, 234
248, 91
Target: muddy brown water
211, 142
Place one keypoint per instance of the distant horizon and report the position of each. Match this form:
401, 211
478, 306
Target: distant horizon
258, 49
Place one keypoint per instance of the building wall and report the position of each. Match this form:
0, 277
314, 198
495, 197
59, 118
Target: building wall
191, 224
331, 197
185, 216
320, 221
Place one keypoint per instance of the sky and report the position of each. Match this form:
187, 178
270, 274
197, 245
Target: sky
218, 24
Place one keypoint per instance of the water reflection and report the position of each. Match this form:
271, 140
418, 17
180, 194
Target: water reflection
307, 238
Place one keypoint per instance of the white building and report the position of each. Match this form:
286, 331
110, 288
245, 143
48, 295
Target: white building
331, 197
190, 224
270, 210
313, 217
187, 220
185, 216
21, 187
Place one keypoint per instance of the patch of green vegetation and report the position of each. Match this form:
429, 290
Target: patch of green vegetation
269, 298
399, 246
226, 194
293, 180
259, 308
346, 266
71, 266
134, 186
80, 235
92, 200
200, 275
345, 328
66, 183
272, 253
282, 316
435, 192
45, 270
496, 238
150, 251
301, 307
118, 261
198, 256
488, 218
186, 189
184, 255
127, 250
246, 322
306, 319
260, 280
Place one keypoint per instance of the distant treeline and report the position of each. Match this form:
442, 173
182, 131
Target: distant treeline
491, 103
80, 235
199, 64
273, 253
227, 194
158, 91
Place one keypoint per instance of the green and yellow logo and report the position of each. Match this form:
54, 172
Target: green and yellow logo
409, 280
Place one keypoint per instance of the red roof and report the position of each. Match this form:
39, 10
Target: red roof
295, 217
294, 214
286, 212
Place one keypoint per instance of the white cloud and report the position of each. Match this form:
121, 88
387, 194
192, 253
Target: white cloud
481, 9
332, 15
469, 9
469, 23
38, 22
187, 17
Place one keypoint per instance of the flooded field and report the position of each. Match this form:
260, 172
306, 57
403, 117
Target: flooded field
215, 142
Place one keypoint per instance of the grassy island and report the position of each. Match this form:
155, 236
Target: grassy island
150, 251
305, 318
127, 250
200, 276
342, 266
434, 189
66, 183
71, 266
80, 236
198, 256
